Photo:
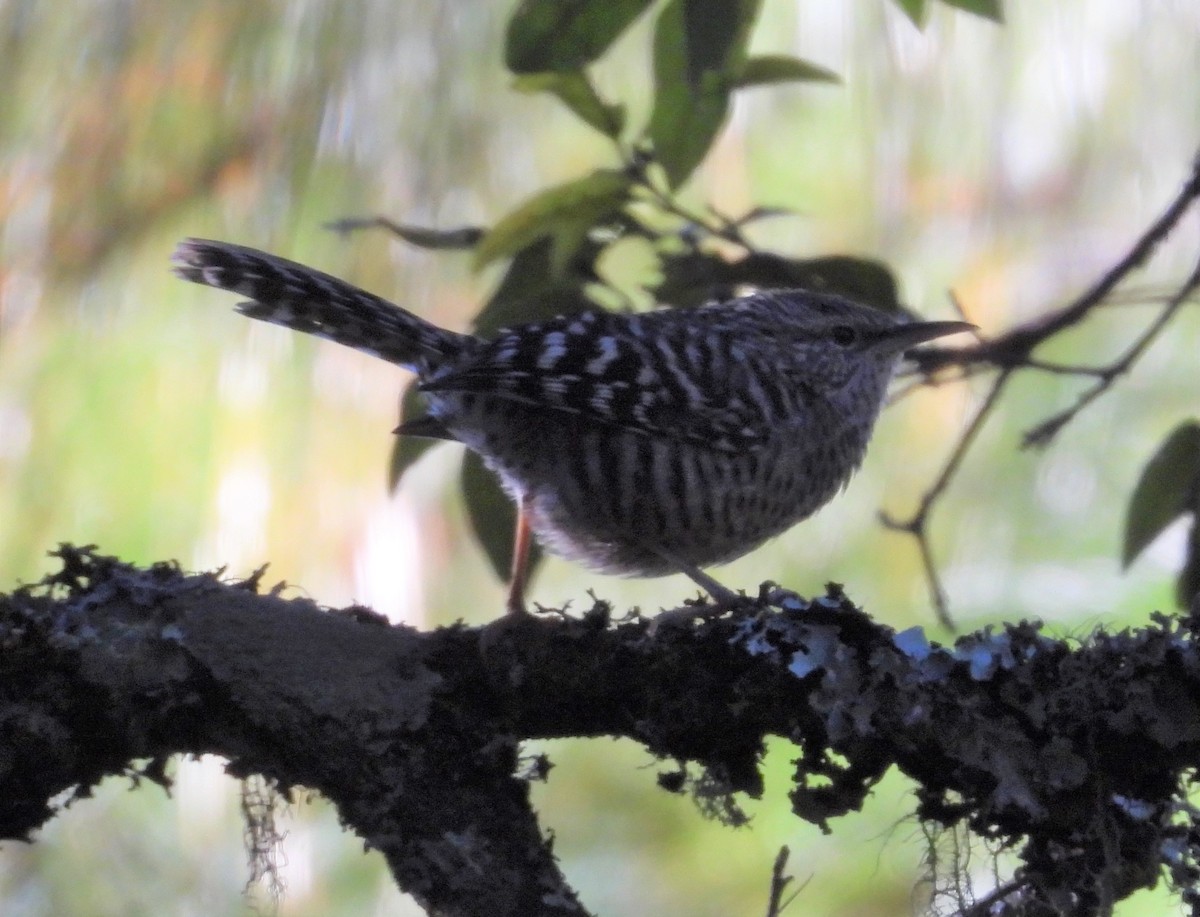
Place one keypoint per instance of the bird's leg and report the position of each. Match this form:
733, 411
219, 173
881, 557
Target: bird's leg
519, 575
723, 599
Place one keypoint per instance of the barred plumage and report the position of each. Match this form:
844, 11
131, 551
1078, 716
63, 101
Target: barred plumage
638, 444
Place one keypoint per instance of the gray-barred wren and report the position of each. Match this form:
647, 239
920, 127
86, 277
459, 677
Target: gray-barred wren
634, 443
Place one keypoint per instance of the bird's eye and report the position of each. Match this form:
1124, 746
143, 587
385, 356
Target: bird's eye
843, 335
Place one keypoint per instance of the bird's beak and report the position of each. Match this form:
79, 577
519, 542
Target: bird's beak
902, 337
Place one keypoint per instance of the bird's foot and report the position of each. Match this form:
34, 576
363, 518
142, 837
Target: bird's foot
719, 602
516, 619
721, 599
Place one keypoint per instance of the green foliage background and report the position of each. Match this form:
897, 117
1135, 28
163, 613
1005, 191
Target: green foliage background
1010, 163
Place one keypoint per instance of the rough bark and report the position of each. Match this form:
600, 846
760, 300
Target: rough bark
1076, 755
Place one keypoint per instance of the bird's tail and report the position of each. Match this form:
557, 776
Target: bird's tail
286, 293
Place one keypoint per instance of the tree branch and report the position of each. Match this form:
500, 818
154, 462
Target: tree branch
1073, 756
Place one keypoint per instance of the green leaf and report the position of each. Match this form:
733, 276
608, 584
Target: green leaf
493, 516
779, 68
762, 212
695, 277
1187, 587
462, 237
988, 9
916, 10
1166, 490
565, 213
565, 34
864, 280
576, 91
532, 292
699, 51
407, 449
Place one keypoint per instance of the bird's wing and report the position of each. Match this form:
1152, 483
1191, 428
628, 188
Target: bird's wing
669, 379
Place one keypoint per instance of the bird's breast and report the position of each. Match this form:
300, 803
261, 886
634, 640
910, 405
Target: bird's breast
632, 503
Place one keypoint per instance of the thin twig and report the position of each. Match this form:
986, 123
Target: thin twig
917, 524
1012, 349
923, 381
1062, 369
956, 302
984, 905
777, 904
937, 592
1044, 432
1142, 249
779, 883
726, 229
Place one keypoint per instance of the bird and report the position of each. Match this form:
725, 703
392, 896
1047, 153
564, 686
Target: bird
633, 443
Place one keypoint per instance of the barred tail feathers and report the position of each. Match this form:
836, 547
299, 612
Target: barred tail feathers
298, 297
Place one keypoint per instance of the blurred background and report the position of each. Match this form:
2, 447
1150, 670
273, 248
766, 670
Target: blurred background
1011, 164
